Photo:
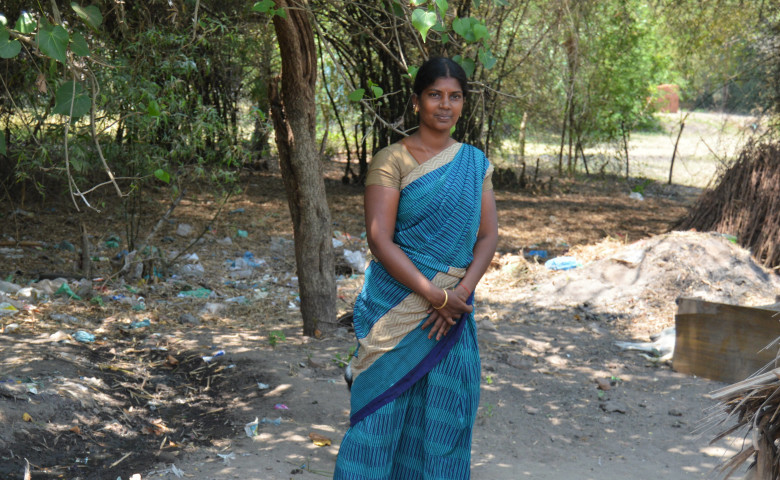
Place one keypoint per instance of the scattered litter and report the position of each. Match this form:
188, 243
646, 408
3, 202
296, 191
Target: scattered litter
8, 287
11, 328
66, 245
192, 269
213, 308
263, 386
177, 471
356, 260
251, 428
281, 406
237, 210
26, 417
227, 457
319, 440
65, 290
542, 254
113, 241
61, 317
58, 336
660, 346
141, 323
184, 230
6, 308
225, 241
636, 196
242, 234
84, 337
275, 421
216, 354
562, 263
337, 243
198, 293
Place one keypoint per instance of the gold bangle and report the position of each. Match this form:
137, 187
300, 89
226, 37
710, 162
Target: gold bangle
446, 297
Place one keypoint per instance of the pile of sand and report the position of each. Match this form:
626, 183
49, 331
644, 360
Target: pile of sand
654, 272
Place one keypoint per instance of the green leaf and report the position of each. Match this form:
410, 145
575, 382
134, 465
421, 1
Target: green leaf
153, 108
443, 6
264, 6
480, 31
53, 42
476, 3
267, 6
356, 95
417, 3
501, 3
413, 71
70, 93
461, 26
162, 175
91, 14
423, 21
3, 150
8, 48
468, 65
79, 45
25, 23
486, 58
378, 92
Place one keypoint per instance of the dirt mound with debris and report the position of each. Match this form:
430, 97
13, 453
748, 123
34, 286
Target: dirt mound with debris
649, 275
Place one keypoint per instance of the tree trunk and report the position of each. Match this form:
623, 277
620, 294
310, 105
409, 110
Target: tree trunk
676, 144
294, 115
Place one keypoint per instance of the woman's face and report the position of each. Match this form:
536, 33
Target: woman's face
440, 104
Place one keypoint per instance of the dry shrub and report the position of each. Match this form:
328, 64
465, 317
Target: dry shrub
745, 203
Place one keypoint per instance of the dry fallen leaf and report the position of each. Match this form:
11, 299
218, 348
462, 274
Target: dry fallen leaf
41, 83
171, 360
26, 417
75, 429
319, 440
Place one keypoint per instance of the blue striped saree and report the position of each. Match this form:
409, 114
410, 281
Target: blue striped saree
414, 399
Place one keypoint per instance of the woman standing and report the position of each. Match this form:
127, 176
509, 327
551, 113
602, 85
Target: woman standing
432, 228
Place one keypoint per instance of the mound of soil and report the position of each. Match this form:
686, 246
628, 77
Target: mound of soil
649, 275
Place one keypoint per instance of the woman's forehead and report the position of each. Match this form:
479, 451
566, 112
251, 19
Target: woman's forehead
448, 84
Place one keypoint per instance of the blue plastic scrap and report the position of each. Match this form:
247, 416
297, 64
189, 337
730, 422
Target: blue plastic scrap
562, 263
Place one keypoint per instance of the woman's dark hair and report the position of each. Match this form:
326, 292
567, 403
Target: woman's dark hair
439, 67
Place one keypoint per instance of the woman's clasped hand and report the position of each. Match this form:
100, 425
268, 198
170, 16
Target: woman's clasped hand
443, 318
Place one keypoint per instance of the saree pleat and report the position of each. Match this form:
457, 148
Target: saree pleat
413, 398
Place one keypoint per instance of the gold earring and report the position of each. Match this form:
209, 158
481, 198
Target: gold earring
416, 110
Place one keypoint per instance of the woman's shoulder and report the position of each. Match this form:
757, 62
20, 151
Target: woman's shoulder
475, 151
391, 150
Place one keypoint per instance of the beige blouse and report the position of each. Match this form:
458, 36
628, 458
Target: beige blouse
391, 164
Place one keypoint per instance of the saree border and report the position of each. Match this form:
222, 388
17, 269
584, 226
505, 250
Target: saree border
437, 353
439, 160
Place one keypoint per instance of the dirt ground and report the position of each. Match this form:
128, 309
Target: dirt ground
172, 379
